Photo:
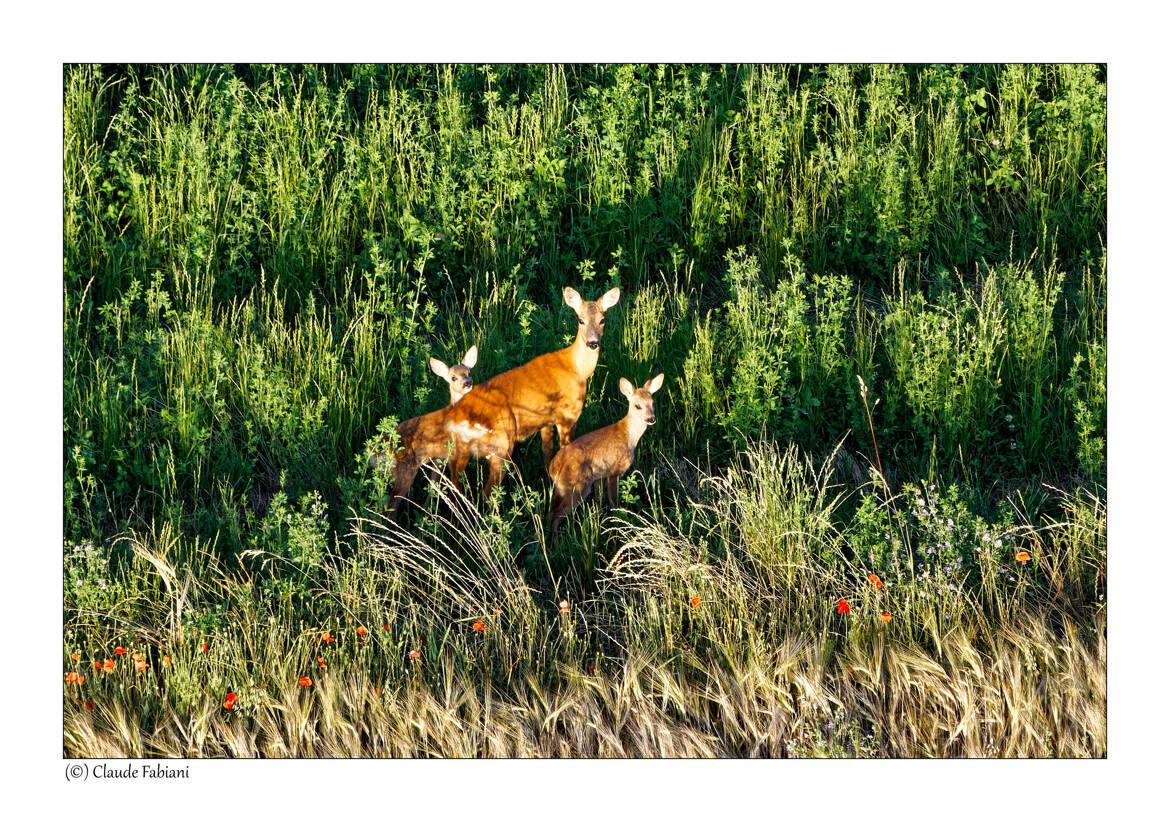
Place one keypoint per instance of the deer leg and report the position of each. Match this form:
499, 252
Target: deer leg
403, 479
496, 466
565, 431
457, 465
562, 505
612, 488
546, 443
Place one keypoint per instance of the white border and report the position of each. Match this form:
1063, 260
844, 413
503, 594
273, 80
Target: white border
38, 41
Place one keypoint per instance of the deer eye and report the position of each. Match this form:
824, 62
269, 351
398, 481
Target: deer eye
638, 407
601, 321
580, 321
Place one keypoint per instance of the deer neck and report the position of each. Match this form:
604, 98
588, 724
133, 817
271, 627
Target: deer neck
583, 358
634, 429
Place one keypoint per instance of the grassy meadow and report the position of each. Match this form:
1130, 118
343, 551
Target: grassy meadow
869, 522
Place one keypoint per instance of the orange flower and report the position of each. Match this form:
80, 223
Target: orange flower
87, 704
386, 627
119, 650
886, 617
349, 619
109, 665
229, 701
75, 656
304, 680
414, 655
497, 611
876, 580
140, 664
477, 625
695, 601
361, 629
136, 656
320, 662
203, 647
842, 607
563, 605
326, 636
1023, 556
74, 678
97, 665
166, 661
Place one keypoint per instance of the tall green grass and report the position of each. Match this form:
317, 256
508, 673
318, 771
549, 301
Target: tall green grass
258, 261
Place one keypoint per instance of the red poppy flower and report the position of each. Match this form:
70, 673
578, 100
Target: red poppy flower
304, 680
320, 662
136, 656
1023, 556
326, 636
842, 607
876, 580
75, 656
203, 647
386, 627
361, 629
497, 611
695, 601
166, 661
97, 665
86, 703
140, 664
886, 617
229, 701
73, 678
119, 650
414, 655
477, 625
109, 665
349, 619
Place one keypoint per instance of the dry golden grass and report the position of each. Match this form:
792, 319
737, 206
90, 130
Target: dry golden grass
761, 666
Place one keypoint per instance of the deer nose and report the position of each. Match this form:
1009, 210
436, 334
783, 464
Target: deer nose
467, 385
653, 419
593, 344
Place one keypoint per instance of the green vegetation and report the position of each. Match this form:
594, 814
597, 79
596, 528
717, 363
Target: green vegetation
877, 294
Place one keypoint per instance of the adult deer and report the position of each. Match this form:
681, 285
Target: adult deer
604, 454
549, 391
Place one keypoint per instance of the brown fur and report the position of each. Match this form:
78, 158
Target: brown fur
606, 453
481, 424
549, 391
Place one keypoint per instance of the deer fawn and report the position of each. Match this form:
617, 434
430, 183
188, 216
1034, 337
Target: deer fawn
549, 391
427, 437
458, 376
481, 424
606, 453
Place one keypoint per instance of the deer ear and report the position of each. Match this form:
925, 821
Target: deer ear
470, 358
439, 367
626, 387
610, 298
572, 298
654, 384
